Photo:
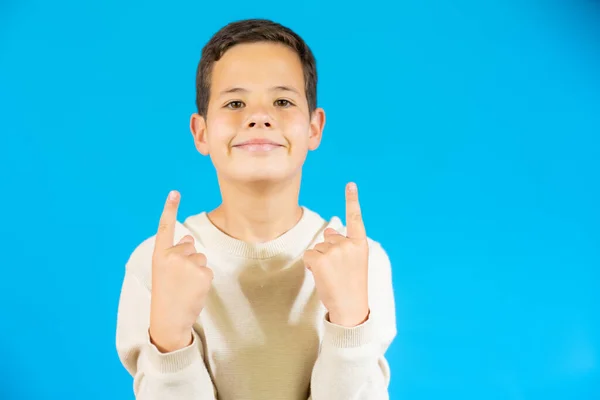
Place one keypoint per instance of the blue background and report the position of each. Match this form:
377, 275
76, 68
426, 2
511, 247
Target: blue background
472, 128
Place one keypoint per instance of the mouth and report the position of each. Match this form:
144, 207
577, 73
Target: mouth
258, 145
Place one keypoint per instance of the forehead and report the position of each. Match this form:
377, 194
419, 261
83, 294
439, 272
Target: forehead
255, 65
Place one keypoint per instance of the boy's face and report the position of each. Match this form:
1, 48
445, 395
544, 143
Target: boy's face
258, 126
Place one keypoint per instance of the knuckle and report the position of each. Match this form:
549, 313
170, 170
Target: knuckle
201, 259
319, 260
203, 274
310, 255
339, 251
171, 257
207, 273
356, 216
345, 246
189, 247
163, 227
338, 248
306, 256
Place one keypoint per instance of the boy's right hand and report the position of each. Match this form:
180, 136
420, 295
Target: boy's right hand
180, 284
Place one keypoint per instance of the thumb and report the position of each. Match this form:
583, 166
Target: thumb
186, 239
330, 231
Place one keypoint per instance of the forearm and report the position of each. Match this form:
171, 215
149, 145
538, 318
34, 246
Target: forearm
180, 374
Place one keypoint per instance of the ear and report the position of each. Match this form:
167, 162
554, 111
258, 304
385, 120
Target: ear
198, 128
317, 124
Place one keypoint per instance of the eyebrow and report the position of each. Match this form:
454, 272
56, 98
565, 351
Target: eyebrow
272, 89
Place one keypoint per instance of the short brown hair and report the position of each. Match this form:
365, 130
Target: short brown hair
252, 31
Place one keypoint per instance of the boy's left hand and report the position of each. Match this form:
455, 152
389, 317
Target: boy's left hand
340, 267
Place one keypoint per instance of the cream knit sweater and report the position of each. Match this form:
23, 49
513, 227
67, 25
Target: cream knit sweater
263, 333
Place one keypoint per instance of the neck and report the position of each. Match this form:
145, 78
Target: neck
257, 212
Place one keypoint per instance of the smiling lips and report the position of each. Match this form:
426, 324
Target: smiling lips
255, 145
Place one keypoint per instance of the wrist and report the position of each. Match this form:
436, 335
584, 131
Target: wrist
349, 319
168, 342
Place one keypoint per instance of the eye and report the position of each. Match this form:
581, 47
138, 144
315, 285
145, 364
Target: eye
283, 103
234, 105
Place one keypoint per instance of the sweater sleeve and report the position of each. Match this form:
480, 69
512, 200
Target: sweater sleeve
351, 363
181, 374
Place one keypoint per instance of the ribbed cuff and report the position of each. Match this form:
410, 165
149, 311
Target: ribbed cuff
341, 337
175, 361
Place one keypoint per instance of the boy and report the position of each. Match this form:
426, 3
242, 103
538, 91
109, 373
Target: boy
260, 298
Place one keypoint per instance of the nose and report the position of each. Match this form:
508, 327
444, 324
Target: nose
260, 119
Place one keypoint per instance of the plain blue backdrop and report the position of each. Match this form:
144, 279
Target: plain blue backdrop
471, 127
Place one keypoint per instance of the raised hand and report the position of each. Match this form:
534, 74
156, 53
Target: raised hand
180, 283
340, 267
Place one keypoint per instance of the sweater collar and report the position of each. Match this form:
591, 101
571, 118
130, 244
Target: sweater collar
293, 242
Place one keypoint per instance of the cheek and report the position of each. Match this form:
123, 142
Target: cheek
297, 128
220, 129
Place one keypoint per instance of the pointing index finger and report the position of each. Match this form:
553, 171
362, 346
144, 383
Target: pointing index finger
354, 222
166, 226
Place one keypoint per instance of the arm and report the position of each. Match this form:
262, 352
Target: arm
181, 374
351, 362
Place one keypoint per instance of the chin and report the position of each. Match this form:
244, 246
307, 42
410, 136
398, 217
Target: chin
263, 176
266, 175
260, 170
